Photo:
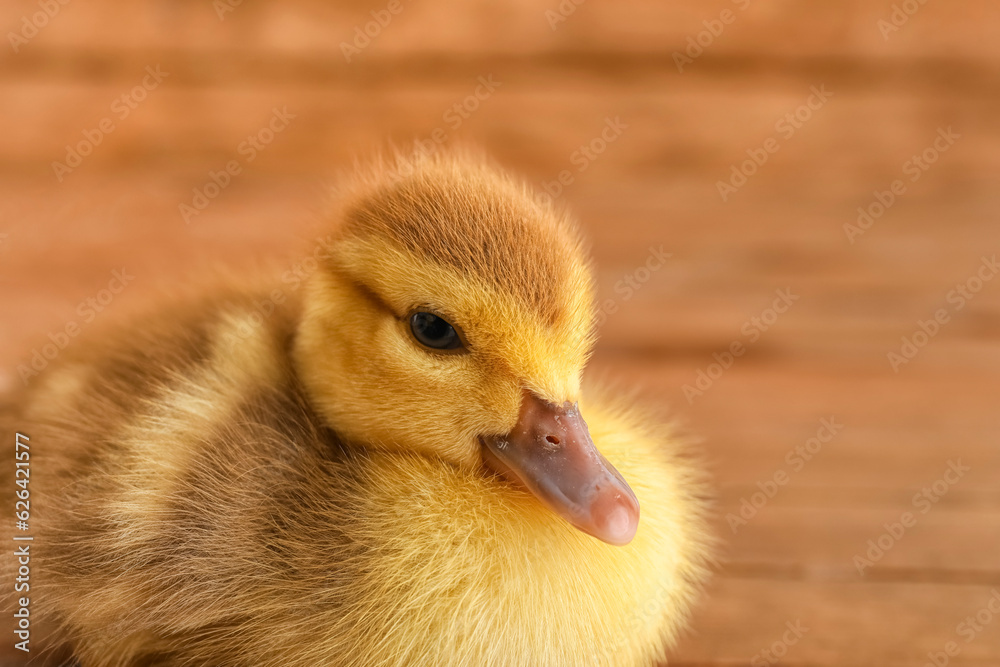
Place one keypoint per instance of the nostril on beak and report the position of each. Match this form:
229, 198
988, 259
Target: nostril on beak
552, 439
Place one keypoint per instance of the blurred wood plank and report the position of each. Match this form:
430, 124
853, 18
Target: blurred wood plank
686, 136
945, 545
887, 624
965, 29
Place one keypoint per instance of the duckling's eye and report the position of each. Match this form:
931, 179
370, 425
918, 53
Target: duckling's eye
434, 332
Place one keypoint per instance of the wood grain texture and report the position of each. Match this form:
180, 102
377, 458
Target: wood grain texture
655, 185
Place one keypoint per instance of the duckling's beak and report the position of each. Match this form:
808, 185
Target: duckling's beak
551, 453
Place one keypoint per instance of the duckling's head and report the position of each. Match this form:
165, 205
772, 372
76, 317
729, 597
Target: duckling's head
452, 318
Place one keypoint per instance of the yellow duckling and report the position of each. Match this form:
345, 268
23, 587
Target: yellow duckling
390, 468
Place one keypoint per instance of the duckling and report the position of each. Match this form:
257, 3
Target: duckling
395, 465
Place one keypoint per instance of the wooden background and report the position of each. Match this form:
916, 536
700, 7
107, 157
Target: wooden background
655, 185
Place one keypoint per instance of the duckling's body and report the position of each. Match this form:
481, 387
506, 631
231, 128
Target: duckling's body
197, 503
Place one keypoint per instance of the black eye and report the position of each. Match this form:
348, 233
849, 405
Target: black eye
434, 332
